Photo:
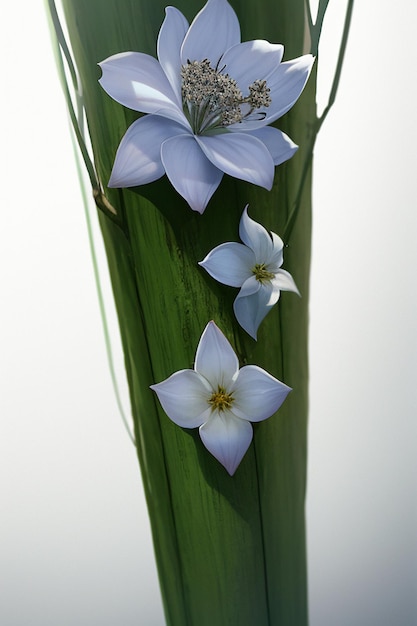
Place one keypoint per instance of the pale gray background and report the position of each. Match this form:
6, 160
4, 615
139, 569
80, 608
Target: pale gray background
75, 541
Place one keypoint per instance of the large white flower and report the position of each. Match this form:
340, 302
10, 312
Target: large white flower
255, 267
209, 99
220, 398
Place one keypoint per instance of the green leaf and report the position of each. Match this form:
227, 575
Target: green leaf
230, 550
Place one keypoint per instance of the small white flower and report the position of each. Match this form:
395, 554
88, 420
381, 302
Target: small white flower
220, 398
254, 267
209, 100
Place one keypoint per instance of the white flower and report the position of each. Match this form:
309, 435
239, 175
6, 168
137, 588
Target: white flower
209, 99
254, 267
220, 398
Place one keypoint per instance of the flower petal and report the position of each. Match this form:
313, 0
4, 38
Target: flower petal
138, 157
250, 286
284, 281
257, 394
214, 29
215, 358
277, 257
137, 81
286, 85
240, 155
170, 38
256, 237
280, 146
227, 438
230, 263
251, 308
190, 172
250, 61
184, 397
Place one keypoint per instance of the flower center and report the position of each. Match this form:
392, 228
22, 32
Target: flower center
212, 100
261, 273
221, 400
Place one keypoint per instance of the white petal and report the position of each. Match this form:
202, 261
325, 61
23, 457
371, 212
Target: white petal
251, 308
230, 263
137, 81
227, 438
250, 61
214, 29
184, 397
257, 394
286, 85
240, 155
285, 282
138, 157
215, 358
190, 172
250, 286
280, 146
277, 256
256, 237
170, 38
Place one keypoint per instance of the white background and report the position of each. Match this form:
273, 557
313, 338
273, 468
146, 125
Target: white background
74, 537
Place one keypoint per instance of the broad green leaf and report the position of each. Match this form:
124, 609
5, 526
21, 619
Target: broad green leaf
230, 550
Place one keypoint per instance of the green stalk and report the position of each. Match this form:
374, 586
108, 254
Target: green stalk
230, 550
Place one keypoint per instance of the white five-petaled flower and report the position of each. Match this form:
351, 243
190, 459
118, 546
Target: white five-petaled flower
255, 267
220, 398
209, 100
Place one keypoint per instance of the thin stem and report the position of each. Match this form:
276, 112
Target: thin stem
59, 33
309, 18
102, 306
340, 59
316, 30
60, 47
332, 97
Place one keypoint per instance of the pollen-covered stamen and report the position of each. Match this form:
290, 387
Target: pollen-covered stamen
212, 100
262, 274
259, 94
221, 400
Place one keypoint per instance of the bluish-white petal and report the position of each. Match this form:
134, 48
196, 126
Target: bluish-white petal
240, 155
257, 394
230, 263
250, 61
184, 397
250, 286
286, 85
251, 308
284, 281
214, 29
190, 172
215, 358
227, 438
138, 157
280, 146
137, 81
277, 256
170, 38
256, 237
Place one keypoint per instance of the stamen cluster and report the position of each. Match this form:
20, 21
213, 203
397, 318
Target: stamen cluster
221, 400
259, 94
212, 100
261, 272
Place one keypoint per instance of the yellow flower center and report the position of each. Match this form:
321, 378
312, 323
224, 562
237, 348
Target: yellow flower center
261, 273
221, 400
